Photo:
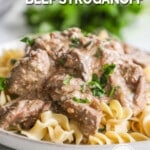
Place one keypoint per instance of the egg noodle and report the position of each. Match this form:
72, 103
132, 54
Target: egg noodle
118, 125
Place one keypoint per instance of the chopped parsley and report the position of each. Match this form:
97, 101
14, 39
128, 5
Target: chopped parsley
13, 61
97, 85
2, 83
80, 100
67, 80
87, 44
98, 52
62, 61
75, 42
83, 88
113, 90
101, 130
107, 70
28, 41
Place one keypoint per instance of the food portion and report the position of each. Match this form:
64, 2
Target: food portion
23, 113
76, 88
29, 75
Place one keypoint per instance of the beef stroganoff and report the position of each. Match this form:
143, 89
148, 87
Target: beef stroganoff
76, 89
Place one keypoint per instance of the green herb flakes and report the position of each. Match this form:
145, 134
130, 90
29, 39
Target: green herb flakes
113, 90
95, 86
62, 61
28, 41
67, 80
75, 42
87, 44
101, 130
83, 88
98, 85
107, 70
80, 100
2, 83
98, 52
13, 61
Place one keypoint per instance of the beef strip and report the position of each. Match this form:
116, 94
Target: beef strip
23, 113
129, 77
62, 96
74, 52
139, 57
28, 76
58, 91
82, 62
87, 117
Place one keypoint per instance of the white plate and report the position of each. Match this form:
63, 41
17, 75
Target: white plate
22, 143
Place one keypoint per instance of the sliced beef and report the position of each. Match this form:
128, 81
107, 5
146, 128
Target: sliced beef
87, 117
80, 63
75, 52
129, 77
23, 113
59, 91
63, 101
28, 76
139, 57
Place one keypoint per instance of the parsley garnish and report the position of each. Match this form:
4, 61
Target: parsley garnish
95, 86
67, 80
98, 52
106, 71
80, 100
87, 44
83, 88
113, 90
2, 83
101, 130
62, 61
75, 42
28, 41
13, 61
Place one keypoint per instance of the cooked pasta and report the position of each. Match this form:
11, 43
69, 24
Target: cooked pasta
77, 133
144, 121
119, 125
51, 127
147, 73
8, 59
112, 137
4, 98
115, 116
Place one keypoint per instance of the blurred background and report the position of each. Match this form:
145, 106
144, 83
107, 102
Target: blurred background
131, 23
